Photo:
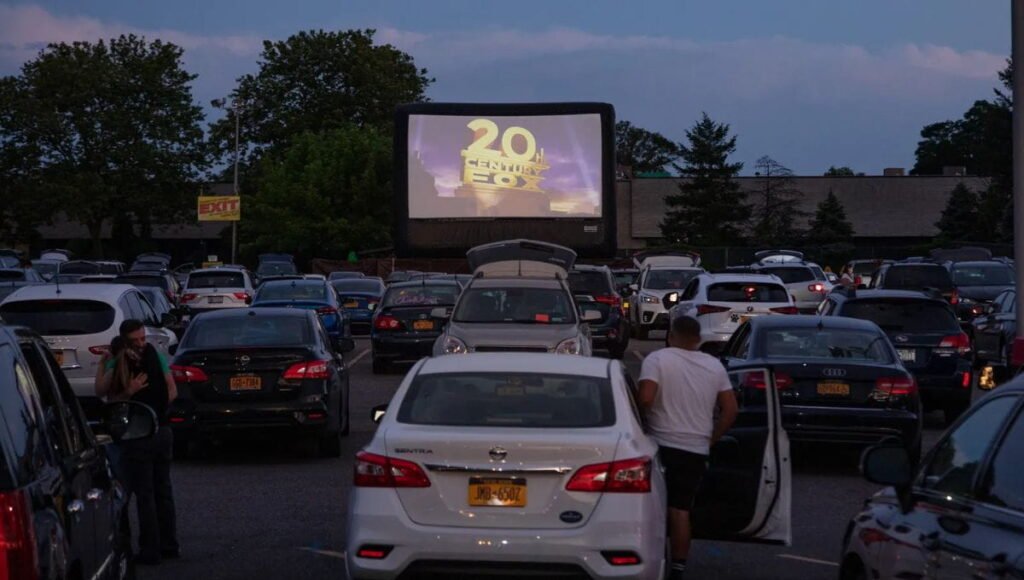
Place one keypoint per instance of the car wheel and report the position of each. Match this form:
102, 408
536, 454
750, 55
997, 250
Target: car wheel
329, 444
379, 367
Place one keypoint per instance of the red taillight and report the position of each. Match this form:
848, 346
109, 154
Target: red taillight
785, 310
966, 381
817, 287
188, 297
183, 374
373, 552
310, 369
626, 476
703, 309
756, 380
896, 386
961, 342
18, 555
326, 310
954, 298
372, 470
621, 558
386, 322
243, 296
858, 280
613, 300
99, 350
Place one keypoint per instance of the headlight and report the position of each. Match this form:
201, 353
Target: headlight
453, 345
650, 299
570, 346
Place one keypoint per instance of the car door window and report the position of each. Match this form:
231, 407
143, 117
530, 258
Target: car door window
954, 463
1003, 484
58, 414
148, 315
691, 290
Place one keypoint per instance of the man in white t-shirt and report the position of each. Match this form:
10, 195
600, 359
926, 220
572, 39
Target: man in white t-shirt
680, 387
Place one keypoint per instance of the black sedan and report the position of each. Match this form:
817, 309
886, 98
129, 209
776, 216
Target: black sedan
405, 326
977, 284
960, 514
994, 332
260, 369
840, 380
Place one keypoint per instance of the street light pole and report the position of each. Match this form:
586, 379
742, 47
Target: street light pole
1017, 22
234, 224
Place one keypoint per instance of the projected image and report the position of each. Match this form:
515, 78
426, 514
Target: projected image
504, 166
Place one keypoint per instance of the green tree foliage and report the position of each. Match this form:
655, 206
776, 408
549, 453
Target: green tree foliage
643, 150
324, 195
959, 221
777, 204
710, 208
829, 225
109, 131
317, 81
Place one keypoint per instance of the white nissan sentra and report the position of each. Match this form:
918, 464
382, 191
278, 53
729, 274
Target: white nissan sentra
537, 465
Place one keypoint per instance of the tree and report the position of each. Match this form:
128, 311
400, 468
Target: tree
829, 224
643, 150
326, 194
778, 204
111, 129
711, 208
843, 171
318, 81
959, 221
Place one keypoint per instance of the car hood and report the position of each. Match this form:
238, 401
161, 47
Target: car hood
511, 335
986, 293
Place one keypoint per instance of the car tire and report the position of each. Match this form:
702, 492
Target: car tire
329, 444
379, 367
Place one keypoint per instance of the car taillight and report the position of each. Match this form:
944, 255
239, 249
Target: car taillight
703, 309
310, 369
954, 298
896, 386
243, 296
961, 342
621, 558
18, 553
326, 310
613, 300
386, 322
372, 470
818, 287
188, 297
785, 310
858, 280
99, 350
626, 476
184, 374
170, 296
756, 380
965, 382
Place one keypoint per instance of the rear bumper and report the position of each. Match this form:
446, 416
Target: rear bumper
631, 522
189, 417
850, 425
393, 348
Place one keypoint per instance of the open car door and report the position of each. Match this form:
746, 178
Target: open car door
745, 495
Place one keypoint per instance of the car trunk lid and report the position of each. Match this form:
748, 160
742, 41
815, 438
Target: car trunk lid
245, 373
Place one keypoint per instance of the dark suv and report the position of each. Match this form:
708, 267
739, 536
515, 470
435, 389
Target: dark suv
927, 337
916, 276
595, 286
62, 514
977, 284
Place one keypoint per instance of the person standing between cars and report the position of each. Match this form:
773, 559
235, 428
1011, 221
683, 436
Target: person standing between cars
680, 387
147, 462
119, 386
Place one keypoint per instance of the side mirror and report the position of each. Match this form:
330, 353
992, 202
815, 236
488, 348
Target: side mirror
440, 312
344, 345
887, 465
377, 413
670, 300
128, 421
592, 315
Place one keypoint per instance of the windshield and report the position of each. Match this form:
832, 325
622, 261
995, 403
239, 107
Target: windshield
243, 331
12, 274
905, 316
592, 283
276, 269
216, 280
918, 278
429, 295
830, 344
792, 275
623, 279
747, 292
515, 305
531, 400
358, 285
60, 317
110, 269
292, 291
79, 268
669, 279
983, 275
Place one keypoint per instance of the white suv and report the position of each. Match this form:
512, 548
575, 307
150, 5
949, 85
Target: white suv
659, 276
216, 288
722, 302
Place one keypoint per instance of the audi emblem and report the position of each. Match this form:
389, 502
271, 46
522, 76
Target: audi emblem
834, 373
244, 359
498, 453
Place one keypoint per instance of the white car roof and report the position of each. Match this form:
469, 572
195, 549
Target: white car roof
662, 267
670, 262
559, 364
742, 278
102, 292
217, 270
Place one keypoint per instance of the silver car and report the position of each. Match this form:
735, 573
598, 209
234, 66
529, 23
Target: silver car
659, 276
216, 288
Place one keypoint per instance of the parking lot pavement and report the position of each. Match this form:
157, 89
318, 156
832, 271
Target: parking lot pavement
270, 508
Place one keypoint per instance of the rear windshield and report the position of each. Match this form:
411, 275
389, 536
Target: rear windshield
79, 268
154, 281
747, 292
983, 275
110, 269
516, 305
624, 278
918, 277
421, 296
862, 268
216, 280
531, 400
276, 269
791, 275
669, 279
240, 331
9, 262
819, 274
357, 285
910, 316
12, 275
60, 317
292, 291
831, 344
594, 283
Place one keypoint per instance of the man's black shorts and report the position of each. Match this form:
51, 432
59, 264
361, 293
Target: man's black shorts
683, 473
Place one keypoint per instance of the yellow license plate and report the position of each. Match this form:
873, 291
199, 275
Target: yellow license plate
58, 355
497, 492
245, 383
834, 389
423, 325
351, 305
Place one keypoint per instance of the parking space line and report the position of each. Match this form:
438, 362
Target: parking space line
638, 356
808, 560
353, 362
330, 553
